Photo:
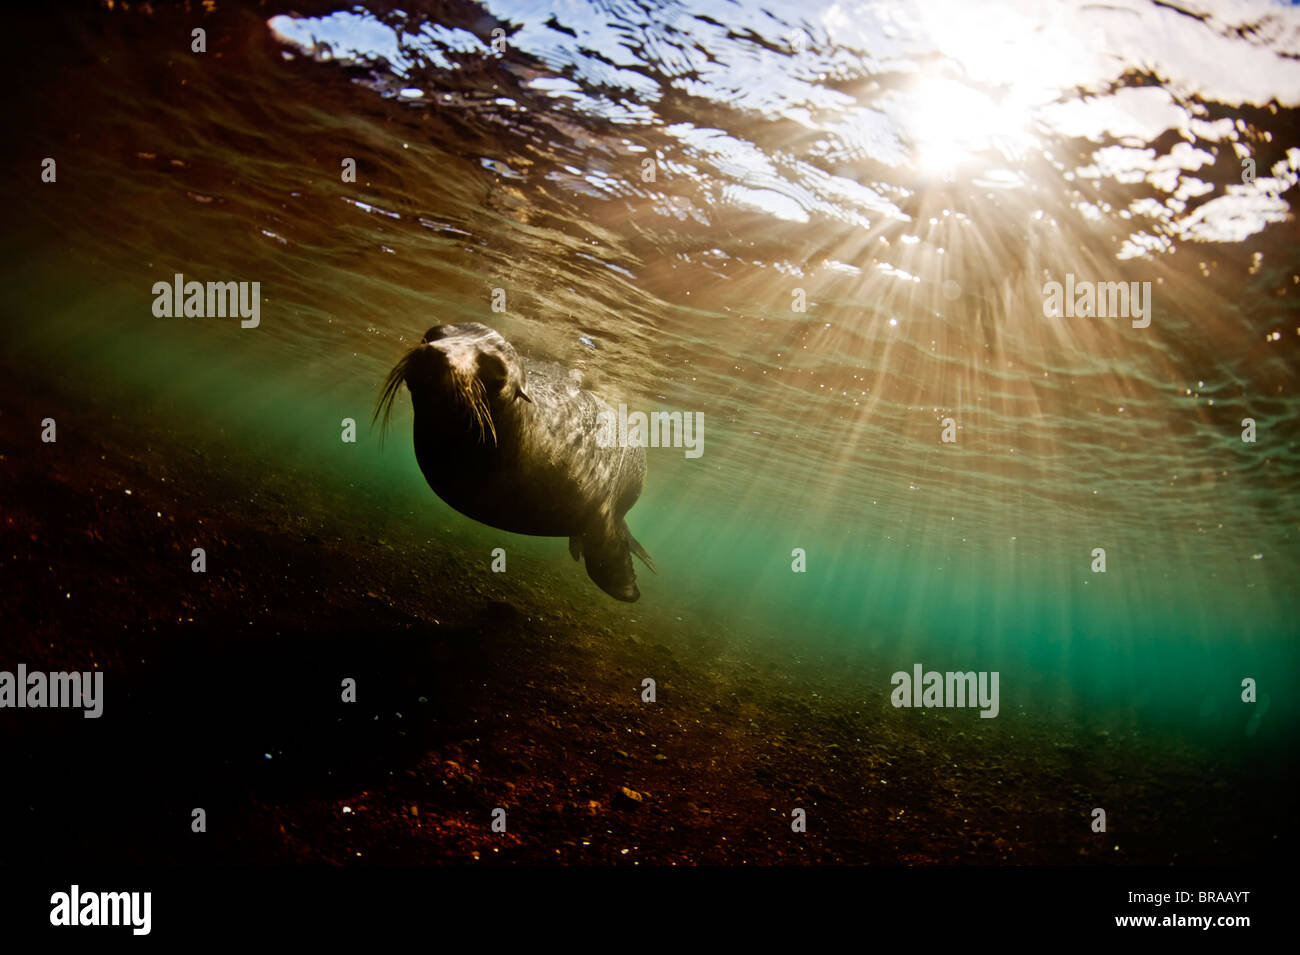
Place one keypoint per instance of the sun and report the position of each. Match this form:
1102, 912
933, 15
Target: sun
949, 123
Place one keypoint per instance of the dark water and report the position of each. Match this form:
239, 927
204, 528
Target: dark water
914, 172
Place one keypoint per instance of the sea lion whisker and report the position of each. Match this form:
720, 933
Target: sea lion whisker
472, 395
392, 385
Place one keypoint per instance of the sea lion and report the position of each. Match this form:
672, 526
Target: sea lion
513, 445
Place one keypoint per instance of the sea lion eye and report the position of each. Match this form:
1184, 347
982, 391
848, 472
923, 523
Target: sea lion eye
491, 370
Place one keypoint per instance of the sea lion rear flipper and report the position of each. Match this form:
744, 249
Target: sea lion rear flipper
608, 556
640, 551
575, 547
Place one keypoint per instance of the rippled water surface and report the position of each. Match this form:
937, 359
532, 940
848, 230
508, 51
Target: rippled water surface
658, 188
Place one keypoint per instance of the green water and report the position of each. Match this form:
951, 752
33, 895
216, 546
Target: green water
822, 427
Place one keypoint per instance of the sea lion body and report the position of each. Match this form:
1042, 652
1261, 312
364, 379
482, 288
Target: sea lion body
513, 445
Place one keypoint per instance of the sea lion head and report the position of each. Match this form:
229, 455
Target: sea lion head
467, 367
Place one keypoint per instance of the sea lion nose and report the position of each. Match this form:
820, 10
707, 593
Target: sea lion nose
427, 364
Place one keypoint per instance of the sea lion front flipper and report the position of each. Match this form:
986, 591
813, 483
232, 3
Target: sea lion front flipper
575, 547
